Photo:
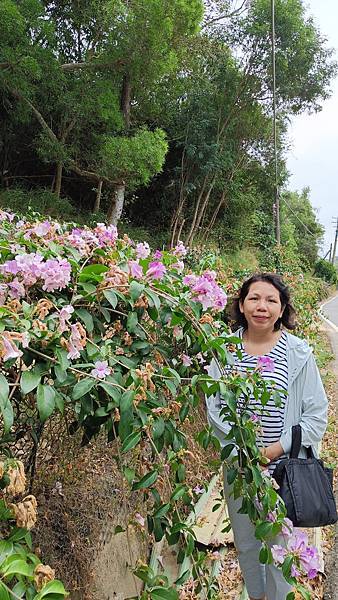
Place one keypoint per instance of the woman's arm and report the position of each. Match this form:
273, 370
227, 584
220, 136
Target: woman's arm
313, 419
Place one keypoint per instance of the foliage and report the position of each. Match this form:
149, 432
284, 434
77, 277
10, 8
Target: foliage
135, 159
300, 227
38, 200
117, 335
327, 271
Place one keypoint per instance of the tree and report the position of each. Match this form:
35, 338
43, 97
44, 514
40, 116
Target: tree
300, 224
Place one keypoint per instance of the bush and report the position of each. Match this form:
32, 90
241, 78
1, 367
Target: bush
44, 201
327, 271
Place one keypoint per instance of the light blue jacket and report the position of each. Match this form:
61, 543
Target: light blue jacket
306, 402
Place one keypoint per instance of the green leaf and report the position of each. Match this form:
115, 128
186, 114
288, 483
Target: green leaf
19, 567
161, 511
231, 475
45, 401
178, 492
153, 298
132, 321
30, 380
263, 530
129, 474
135, 290
111, 297
111, 390
3, 592
161, 593
59, 402
131, 441
5, 405
118, 529
4, 390
146, 481
93, 272
52, 587
62, 358
83, 387
86, 318
264, 555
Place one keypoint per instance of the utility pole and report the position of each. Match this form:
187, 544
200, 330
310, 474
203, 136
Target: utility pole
273, 61
335, 242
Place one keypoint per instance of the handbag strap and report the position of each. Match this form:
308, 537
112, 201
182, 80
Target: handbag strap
297, 442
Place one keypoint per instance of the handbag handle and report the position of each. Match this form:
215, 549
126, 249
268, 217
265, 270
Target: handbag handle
297, 442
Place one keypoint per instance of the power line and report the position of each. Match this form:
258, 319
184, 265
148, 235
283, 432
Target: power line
273, 61
297, 217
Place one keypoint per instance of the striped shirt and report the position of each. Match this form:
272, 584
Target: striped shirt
271, 417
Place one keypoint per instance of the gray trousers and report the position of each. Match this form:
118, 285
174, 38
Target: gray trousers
260, 580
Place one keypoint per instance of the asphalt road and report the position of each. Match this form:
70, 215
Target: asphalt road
330, 310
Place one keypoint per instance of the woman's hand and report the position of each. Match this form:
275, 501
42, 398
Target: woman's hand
273, 451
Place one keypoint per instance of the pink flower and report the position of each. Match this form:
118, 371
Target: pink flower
265, 363
140, 519
107, 235
64, 316
186, 360
56, 274
25, 339
10, 350
16, 289
198, 489
101, 369
158, 254
180, 250
135, 269
200, 358
156, 270
142, 250
42, 229
294, 571
76, 342
178, 332
254, 418
179, 266
206, 291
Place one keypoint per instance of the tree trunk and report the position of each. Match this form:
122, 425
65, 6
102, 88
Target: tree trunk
212, 221
192, 226
116, 206
58, 179
98, 197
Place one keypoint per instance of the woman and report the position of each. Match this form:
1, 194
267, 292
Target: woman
263, 312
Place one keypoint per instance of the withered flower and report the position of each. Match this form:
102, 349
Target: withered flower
42, 575
17, 477
25, 512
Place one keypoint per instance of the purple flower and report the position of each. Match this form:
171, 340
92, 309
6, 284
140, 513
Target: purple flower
75, 342
156, 270
198, 489
135, 269
287, 528
101, 369
142, 250
265, 363
158, 254
186, 360
254, 418
278, 553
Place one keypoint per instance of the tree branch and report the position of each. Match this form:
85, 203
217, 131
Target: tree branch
92, 65
234, 13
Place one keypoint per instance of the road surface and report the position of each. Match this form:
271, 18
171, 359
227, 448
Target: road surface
330, 310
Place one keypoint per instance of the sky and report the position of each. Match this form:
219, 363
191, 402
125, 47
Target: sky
313, 157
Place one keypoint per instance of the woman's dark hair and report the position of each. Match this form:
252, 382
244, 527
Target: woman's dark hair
288, 317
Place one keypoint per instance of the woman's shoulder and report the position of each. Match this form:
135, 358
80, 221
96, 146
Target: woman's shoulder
296, 343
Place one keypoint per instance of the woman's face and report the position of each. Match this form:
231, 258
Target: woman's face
262, 306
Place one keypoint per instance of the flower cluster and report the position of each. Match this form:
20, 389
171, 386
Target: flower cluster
28, 268
305, 557
206, 291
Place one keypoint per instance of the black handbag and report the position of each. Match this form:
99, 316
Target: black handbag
305, 486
